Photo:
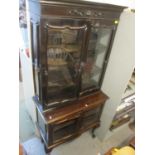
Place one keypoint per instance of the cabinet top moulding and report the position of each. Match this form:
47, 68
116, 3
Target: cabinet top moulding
73, 7
91, 4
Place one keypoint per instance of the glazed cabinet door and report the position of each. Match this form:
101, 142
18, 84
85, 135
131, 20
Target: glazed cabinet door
63, 130
98, 48
62, 43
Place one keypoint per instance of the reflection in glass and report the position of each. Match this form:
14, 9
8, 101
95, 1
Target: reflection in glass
63, 58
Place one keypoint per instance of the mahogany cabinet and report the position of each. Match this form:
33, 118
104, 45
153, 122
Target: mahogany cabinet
71, 43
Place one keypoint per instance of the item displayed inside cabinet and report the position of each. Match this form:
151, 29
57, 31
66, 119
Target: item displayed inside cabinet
61, 46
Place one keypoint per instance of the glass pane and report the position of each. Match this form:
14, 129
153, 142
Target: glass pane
66, 131
63, 58
97, 49
92, 119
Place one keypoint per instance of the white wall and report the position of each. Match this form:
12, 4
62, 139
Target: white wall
27, 74
128, 3
119, 70
27, 78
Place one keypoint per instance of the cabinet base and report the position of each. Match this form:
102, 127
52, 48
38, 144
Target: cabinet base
93, 134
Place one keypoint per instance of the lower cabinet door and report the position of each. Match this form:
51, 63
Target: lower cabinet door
90, 118
63, 131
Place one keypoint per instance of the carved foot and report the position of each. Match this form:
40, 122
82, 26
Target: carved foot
93, 134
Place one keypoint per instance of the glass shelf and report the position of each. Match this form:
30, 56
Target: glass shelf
59, 36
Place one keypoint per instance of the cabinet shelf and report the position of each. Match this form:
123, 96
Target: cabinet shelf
65, 47
56, 62
61, 83
59, 54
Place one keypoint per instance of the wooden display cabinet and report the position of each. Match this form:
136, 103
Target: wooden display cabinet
71, 43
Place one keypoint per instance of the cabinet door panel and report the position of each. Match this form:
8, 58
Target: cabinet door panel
63, 44
64, 130
99, 43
